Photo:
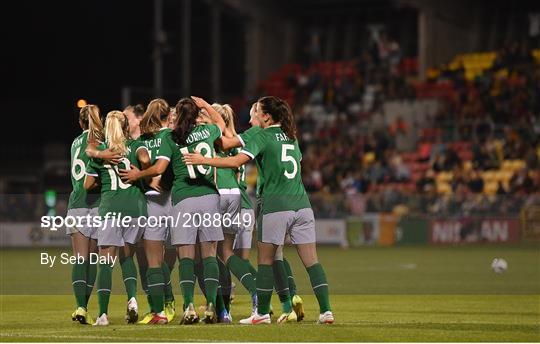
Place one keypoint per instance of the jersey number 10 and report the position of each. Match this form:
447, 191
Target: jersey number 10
114, 174
205, 149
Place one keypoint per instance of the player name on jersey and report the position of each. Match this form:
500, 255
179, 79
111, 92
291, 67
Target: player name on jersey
198, 136
153, 143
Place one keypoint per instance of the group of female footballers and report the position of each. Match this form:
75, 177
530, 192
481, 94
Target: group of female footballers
187, 164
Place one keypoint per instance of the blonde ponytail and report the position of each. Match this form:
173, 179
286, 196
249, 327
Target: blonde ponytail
89, 117
117, 131
156, 112
227, 114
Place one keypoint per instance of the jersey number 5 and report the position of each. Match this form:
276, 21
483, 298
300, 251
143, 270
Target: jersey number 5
285, 157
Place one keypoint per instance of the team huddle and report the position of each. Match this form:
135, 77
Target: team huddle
188, 163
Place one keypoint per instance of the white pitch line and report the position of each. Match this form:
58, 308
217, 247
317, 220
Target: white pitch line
103, 337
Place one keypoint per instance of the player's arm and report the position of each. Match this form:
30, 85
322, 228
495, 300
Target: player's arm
214, 115
229, 162
227, 133
135, 174
155, 183
144, 160
143, 157
227, 143
236, 141
93, 151
90, 182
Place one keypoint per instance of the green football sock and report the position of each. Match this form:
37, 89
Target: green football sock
220, 304
211, 278
199, 273
240, 269
282, 286
91, 273
290, 278
225, 284
251, 269
129, 274
78, 281
143, 270
104, 287
156, 288
187, 280
320, 286
265, 282
169, 296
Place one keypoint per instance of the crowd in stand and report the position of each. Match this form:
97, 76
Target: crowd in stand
352, 163
351, 166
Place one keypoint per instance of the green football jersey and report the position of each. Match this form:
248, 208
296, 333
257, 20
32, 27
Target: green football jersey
191, 181
117, 196
226, 177
245, 137
152, 143
246, 201
278, 159
79, 197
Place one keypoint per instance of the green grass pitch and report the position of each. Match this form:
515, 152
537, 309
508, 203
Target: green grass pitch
419, 294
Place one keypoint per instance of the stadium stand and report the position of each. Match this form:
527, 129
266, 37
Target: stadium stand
475, 152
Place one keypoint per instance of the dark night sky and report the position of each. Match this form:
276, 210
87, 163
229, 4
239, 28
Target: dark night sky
56, 52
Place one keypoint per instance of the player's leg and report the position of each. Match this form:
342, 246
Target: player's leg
110, 240
209, 235
297, 302
142, 263
282, 287
155, 234
303, 236
168, 267
131, 234
232, 226
223, 301
244, 254
243, 240
238, 267
223, 286
290, 277
83, 273
107, 254
156, 280
317, 277
199, 268
265, 283
91, 269
271, 229
80, 245
211, 278
129, 276
184, 237
170, 257
186, 256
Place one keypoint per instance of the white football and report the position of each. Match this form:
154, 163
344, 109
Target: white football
499, 265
